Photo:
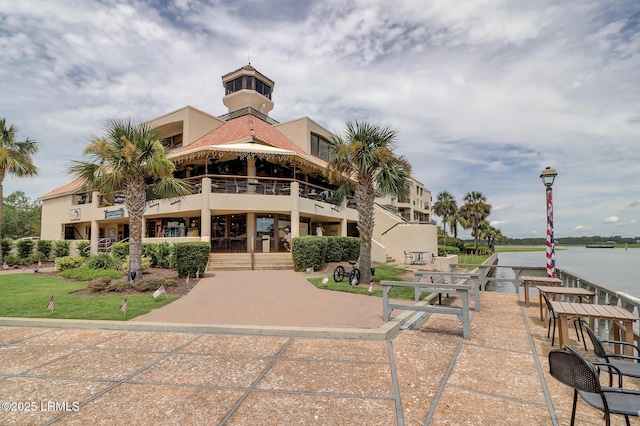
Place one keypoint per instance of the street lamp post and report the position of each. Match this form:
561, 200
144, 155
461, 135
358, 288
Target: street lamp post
548, 175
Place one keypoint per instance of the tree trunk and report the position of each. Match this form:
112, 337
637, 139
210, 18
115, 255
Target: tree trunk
364, 197
136, 203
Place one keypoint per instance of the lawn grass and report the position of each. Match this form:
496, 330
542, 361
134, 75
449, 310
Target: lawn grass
25, 295
383, 273
473, 259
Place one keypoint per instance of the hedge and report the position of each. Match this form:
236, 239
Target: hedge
314, 252
192, 257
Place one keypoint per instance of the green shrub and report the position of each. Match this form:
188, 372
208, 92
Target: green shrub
68, 262
102, 261
62, 248
314, 252
309, 252
99, 284
146, 263
82, 248
13, 260
7, 245
352, 250
471, 248
191, 257
44, 247
452, 242
120, 250
163, 255
447, 250
119, 286
35, 257
87, 274
25, 248
340, 249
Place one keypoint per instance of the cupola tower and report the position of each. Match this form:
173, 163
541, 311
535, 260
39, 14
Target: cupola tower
246, 87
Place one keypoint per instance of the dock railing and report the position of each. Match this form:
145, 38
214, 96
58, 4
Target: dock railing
604, 295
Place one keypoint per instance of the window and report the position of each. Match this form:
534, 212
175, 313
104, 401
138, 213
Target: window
320, 147
234, 85
263, 88
250, 83
173, 141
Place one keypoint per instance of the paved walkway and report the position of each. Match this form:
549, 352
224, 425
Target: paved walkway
65, 374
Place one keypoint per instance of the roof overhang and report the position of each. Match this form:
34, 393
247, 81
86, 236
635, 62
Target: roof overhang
248, 148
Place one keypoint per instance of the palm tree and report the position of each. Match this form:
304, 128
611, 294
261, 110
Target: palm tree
455, 220
365, 154
445, 207
130, 158
475, 210
15, 159
490, 234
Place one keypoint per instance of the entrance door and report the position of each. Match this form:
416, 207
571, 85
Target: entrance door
229, 233
265, 231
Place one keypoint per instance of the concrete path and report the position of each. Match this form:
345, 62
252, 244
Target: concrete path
104, 373
269, 298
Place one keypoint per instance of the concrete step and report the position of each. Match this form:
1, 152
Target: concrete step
242, 261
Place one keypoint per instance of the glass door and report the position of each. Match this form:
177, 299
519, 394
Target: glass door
265, 225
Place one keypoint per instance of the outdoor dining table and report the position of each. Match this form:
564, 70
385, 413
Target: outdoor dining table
620, 317
528, 281
563, 291
419, 259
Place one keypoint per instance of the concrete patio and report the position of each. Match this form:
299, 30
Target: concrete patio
152, 373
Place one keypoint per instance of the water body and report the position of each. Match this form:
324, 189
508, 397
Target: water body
617, 268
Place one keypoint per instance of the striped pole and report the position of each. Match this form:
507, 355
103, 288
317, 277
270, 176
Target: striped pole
551, 248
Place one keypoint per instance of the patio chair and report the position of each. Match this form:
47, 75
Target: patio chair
239, 187
408, 257
620, 361
554, 317
571, 369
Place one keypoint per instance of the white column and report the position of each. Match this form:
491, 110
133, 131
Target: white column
295, 209
251, 173
343, 221
205, 211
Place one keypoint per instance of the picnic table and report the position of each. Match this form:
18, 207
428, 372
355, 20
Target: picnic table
529, 281
419, 257
578, 292
621, 318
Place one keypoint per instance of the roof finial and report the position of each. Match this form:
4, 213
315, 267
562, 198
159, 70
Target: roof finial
249, 58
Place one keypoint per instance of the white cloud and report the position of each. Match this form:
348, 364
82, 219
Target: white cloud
612, 219
484, 94
498, 223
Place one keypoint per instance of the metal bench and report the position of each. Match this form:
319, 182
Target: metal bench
461, 312
455, 278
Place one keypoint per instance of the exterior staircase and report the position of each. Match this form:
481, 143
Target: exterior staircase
242, 261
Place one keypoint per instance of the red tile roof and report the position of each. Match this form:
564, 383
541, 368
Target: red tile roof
70, 187
242, 129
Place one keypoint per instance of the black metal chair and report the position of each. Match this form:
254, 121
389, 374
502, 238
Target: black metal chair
554, 317
620, 361
569, 367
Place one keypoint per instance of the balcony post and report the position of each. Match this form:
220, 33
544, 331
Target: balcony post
205, 211
295, 209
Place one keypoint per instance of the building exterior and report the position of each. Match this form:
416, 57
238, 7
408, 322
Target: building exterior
252, 177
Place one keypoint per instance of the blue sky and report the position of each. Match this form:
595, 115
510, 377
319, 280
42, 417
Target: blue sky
484, 94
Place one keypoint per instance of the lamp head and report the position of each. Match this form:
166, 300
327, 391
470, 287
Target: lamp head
548, 175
